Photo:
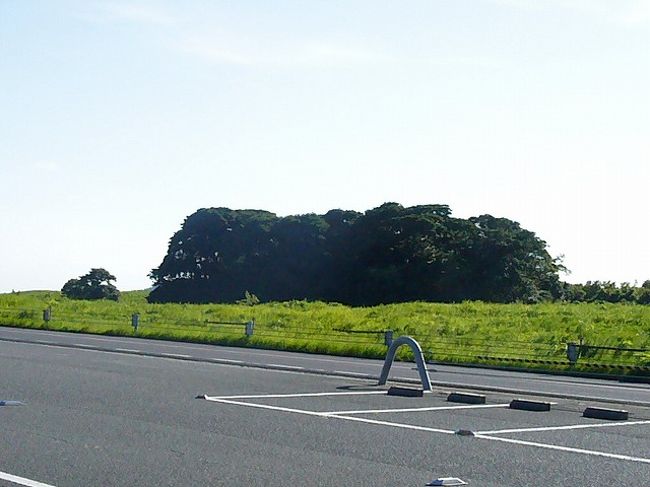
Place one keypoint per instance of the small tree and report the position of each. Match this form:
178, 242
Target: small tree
94, 285
249, 299
643, 294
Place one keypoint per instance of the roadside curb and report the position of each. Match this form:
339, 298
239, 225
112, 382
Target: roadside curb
284, 368
332, 373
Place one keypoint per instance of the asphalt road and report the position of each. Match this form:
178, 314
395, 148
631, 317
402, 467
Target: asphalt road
443, 375
92, 417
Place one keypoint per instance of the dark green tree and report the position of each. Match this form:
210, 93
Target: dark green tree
387, 254
509, 263
215, 257
643, 293
94, 285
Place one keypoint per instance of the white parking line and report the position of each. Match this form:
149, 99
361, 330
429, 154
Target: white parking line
306, 394
327, 415
409, 410
558, 428
22, 480
264, 406
388, 423
565, 448
504, 440
485, 435
447, 432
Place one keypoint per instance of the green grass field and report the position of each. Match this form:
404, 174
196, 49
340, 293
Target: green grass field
529, 336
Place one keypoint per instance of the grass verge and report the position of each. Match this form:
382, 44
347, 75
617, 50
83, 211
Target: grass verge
505, 335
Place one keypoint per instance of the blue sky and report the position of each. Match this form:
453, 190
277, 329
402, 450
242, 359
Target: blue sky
121, 118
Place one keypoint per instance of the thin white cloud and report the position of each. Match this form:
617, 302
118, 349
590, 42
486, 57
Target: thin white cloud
213, 51
617, 11
319, 53
231, 50
46, 166
637, 13
129, 11
221, 46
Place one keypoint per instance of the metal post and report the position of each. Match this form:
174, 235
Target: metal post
572, 352
419, 360
388, 338
250, 325
135, 322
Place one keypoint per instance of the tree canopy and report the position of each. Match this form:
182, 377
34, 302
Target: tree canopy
387, 254
94, 285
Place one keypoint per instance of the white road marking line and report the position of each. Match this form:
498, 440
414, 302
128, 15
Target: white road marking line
207, 347
175, 355
305, 394
127, 350
426, 429
432, 408
326, 415
228, 360
264, 406
565, 448
22, 480
388, 423
285, 366
252, 352
83, 345
558, 428
266, 354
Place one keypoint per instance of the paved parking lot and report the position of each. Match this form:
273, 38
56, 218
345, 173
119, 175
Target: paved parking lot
97, 418
563, 429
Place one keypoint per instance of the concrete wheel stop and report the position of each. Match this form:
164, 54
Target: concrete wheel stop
527, 405
466, 398
405, 392
602, 413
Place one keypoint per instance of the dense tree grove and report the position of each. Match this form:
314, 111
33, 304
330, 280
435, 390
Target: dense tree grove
607, 292
94, 285
387, 254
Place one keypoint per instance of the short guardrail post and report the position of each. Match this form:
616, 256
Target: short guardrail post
250, 326
135, 322
419, 361
388, 338
572, 352
47, 315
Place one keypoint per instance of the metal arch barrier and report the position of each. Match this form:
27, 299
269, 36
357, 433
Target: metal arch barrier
419, 360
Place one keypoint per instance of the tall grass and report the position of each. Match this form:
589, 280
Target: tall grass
468, 332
